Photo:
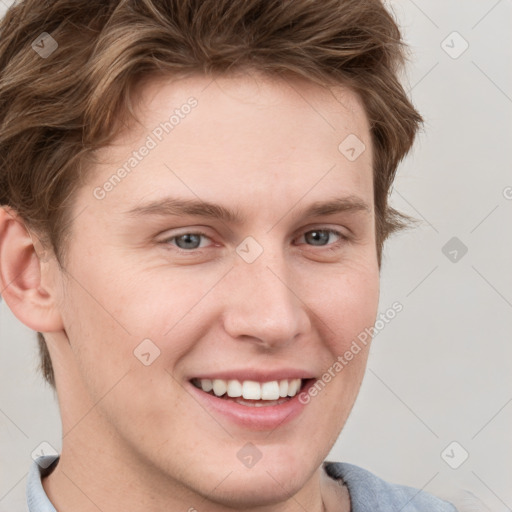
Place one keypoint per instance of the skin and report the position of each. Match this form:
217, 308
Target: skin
133, 436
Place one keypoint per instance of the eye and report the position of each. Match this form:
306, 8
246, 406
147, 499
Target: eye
187, 241
191, 241
321, 237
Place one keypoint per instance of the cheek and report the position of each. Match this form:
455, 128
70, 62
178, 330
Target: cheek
102, 318
346, 310
110, 311
100, 342
347, 303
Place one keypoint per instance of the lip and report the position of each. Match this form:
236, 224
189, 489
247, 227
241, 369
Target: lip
267, 417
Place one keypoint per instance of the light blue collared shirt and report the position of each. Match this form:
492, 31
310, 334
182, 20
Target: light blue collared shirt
368, 493
37, 500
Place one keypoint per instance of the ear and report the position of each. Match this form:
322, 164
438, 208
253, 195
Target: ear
23, 276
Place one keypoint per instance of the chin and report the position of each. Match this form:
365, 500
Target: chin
280, 473
246, 489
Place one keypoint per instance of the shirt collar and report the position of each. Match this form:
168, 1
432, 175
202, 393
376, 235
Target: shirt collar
37, 499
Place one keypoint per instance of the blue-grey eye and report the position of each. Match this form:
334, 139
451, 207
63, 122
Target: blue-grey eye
318, 236
188, 241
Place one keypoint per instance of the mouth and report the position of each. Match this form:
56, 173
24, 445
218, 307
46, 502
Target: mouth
252, 393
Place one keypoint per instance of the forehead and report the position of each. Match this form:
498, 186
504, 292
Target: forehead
236, 135
251, 87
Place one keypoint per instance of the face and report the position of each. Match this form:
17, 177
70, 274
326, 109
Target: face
238, 246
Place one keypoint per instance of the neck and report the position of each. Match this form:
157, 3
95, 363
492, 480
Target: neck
91, 480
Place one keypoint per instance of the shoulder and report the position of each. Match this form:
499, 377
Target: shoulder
369, 493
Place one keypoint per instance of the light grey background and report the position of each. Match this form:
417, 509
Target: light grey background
441, 370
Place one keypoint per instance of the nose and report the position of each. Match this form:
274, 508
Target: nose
264, 305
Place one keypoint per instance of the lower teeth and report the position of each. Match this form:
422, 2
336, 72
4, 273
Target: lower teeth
251, 403
259, 403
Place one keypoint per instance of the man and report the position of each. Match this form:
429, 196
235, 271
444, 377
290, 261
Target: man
194, 206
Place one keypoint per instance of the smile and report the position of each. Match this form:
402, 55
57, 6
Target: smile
252, 404
250, 392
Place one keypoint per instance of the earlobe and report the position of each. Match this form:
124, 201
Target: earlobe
22, 276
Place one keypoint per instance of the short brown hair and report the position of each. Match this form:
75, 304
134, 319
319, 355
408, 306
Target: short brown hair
55, 110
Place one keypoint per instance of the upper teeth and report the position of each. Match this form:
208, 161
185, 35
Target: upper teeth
250, 389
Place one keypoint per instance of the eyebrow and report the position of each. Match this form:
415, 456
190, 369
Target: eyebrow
195, 207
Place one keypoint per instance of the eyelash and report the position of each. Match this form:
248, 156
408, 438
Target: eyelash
167, 241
